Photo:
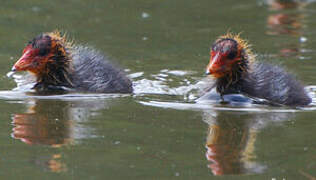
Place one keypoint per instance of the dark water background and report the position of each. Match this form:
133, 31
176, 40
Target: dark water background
129, 137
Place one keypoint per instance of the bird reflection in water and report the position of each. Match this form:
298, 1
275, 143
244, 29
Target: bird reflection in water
287, 18
54, 123
285, 4
230, 142
45, 122
284, 24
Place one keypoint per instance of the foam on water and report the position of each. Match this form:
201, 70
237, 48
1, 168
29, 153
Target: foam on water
26, 81
199, 107
190, 91
168, 82
162, 83
17, 95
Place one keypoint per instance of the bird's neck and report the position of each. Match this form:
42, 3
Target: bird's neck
232, 82
56, 73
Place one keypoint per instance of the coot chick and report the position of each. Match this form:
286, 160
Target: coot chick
235, 70
58, 66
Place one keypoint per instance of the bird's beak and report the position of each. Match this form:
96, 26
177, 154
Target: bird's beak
23, 63
213, 64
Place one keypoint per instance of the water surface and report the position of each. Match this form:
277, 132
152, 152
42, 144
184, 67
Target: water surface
159, 132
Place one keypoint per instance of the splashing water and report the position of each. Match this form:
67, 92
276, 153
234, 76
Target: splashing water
190, 89
25, 82
166, 83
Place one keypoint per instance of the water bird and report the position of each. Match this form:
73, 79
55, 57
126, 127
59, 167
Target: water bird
236, 71
58, 66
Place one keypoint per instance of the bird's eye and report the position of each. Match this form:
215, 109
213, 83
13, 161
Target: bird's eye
43, 51
213, 48
232, 55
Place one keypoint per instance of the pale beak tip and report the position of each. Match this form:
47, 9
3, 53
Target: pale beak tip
207, 72
13, 69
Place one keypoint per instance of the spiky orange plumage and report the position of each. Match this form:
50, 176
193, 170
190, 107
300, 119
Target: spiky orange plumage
242, 44
59, 66
235, 70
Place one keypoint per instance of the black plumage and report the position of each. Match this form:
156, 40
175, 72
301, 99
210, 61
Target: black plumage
60, 66
94, 73
241, 74
266, 81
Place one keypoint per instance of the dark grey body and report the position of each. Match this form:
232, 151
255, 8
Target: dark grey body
269, 82
94, 73
274, 84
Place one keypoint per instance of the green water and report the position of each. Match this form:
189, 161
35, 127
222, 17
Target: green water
122, 137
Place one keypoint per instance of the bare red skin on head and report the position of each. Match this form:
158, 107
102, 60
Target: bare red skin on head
31, 61
220, 64
225, 54
217, 65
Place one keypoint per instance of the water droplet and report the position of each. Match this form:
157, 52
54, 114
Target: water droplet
303, 39
10, 74
145, 15
36, 9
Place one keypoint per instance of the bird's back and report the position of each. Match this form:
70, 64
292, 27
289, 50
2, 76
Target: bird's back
273, 83
94, 73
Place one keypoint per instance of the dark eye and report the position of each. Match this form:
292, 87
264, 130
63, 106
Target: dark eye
43, 51
232, 55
